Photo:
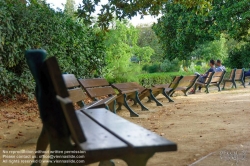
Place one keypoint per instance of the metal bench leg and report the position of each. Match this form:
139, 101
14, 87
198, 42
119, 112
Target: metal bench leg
185, 92
207, 89
243, 83
112, 106
149, 99
234, 84
223, 88
137, 159
195, 87
156, 101
132, 113
219, 88
171, 94
119, 106
143, 108
166, 95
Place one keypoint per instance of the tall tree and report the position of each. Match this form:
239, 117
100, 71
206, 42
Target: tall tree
181, 29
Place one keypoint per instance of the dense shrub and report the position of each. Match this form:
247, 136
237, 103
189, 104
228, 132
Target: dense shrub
148, 80
79, 49
154, 68
170, 66
239, 57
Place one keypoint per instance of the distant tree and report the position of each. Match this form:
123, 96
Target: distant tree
70, 7
121, 46
147, 37
216, 49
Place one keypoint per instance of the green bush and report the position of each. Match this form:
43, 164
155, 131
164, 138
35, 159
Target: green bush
148, 80
154, 68
239, 57
79, 49
170, 66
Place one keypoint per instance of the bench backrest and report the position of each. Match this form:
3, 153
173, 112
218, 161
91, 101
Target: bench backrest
63, 97
188, 81
175, 82
232, 74
239, 74
76, 93
58, 121
97, 87
218, 76
209, 77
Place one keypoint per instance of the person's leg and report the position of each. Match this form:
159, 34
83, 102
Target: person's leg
201, 79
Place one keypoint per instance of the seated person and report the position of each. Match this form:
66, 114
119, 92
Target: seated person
246, 74
203, 77
219, 66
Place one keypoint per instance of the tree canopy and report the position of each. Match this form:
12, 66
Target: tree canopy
129, 8
79, 49
181, 28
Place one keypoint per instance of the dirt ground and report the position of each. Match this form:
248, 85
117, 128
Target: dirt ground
206, 127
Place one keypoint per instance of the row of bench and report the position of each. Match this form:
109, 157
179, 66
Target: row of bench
102, 134
99, 87
216, 78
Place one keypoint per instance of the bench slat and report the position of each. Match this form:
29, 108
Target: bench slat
186, 81
76, 95
238, 74
70, 80
94, 82
139, 138
97, 137
100, 91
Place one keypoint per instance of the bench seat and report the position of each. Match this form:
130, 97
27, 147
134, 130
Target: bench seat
168, 89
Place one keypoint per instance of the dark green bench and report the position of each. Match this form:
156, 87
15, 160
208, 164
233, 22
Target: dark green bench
217, 79
204, 84
186, 83
168, 89
140, 93
99, 87
78, 96
95, 134
235, 75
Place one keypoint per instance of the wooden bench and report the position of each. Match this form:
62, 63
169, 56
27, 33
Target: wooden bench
92, 135
186, 83
167, 89
230, 79
77, 95
206, 83
235, 75
140, 94
217, 79
129, 92
239, 76
100, 87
